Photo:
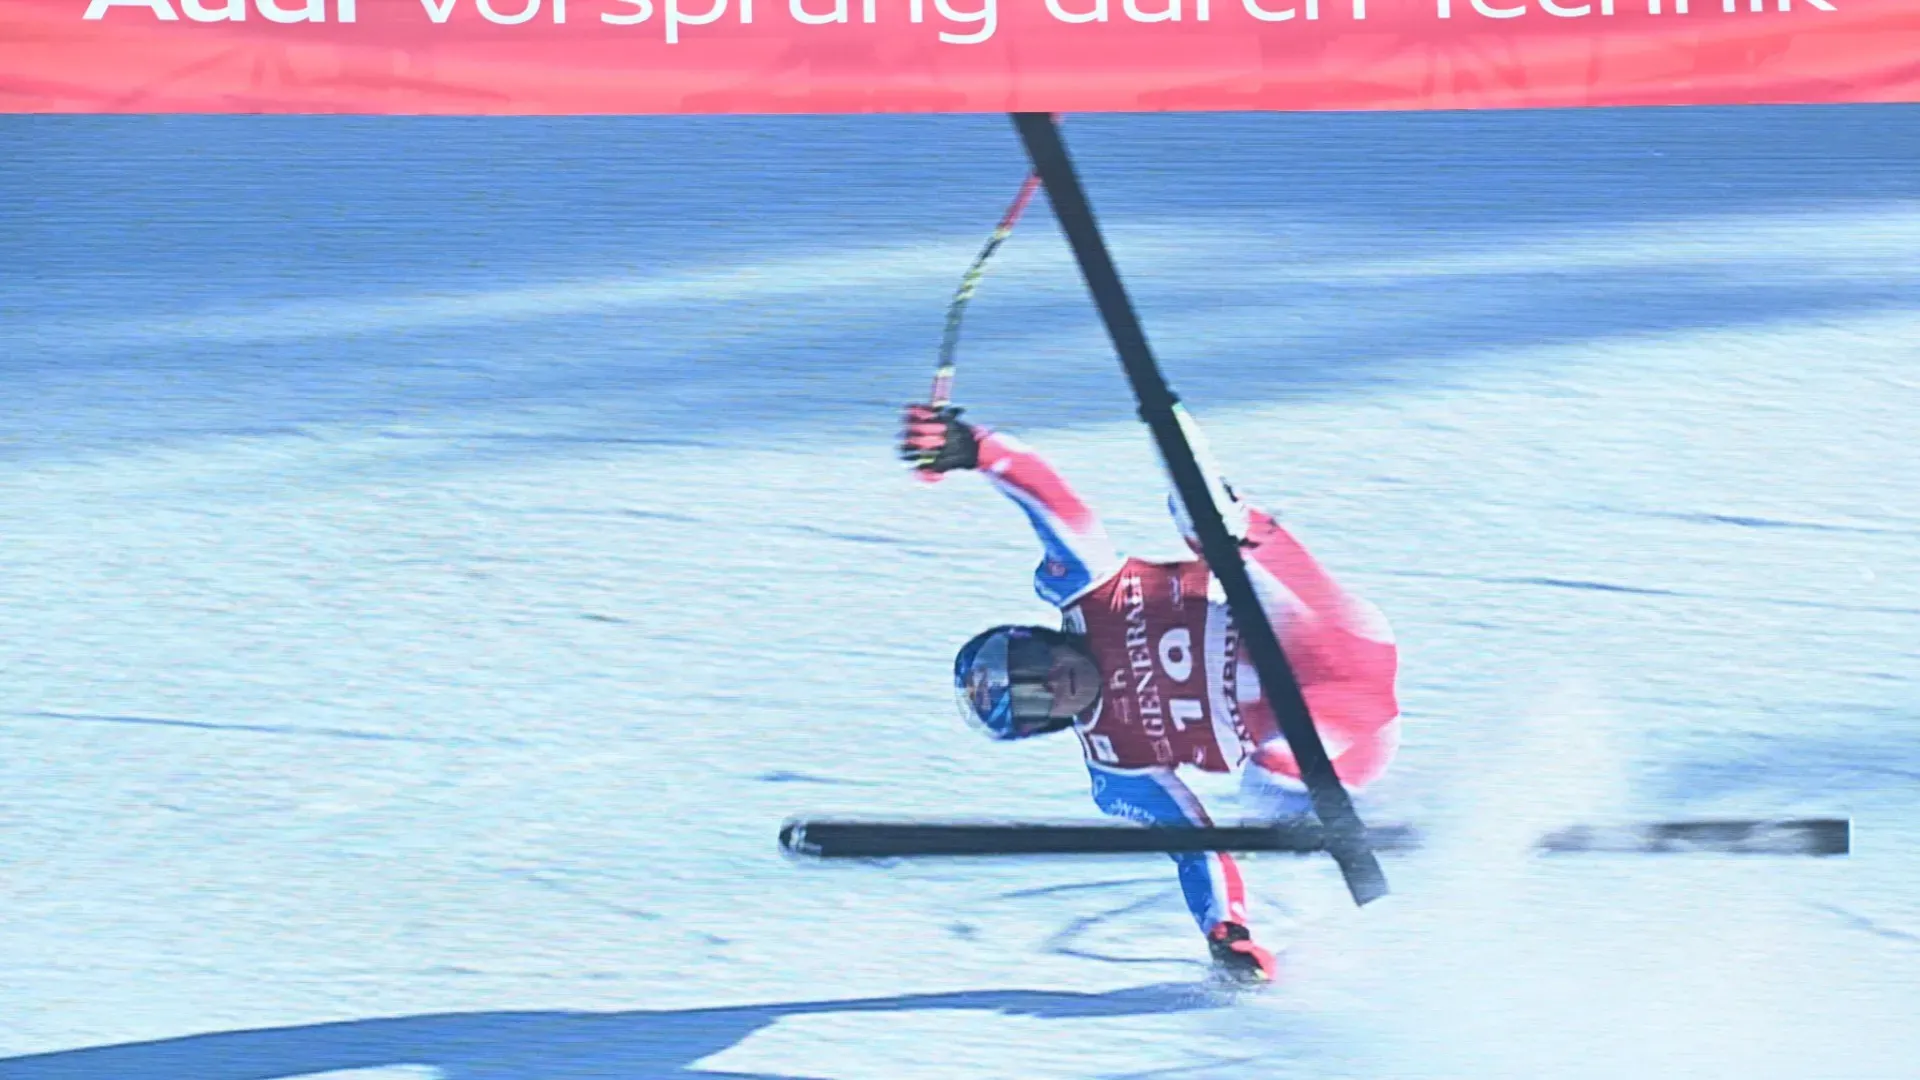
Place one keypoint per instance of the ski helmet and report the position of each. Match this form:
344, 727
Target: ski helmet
999, 681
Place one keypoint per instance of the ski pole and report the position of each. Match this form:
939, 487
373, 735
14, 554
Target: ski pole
942, 393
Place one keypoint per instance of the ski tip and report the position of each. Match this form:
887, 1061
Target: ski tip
793, 837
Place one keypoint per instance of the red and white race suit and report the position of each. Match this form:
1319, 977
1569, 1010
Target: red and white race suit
1178, 689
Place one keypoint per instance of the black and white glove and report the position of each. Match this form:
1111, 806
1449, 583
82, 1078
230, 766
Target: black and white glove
936, 440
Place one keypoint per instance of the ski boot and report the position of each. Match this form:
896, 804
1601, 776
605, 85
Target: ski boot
1236, 959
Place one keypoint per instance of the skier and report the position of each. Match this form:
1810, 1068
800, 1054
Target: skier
1147, 669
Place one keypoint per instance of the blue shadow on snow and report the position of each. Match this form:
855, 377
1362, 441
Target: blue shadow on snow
552, 1045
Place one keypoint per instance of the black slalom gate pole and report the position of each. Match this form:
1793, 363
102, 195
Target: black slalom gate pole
1346, 837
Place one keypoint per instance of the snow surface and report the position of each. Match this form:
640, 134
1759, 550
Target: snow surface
413, 630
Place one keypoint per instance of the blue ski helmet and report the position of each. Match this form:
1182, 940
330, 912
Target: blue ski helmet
999, 680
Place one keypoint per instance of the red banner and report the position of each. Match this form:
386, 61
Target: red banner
842, 56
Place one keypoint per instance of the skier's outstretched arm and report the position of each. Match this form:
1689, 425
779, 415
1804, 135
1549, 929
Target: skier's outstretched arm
1078, 552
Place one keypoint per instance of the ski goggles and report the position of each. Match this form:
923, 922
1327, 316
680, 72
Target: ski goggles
1004, 685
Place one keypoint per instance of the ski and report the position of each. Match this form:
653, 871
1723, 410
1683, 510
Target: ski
849, 839
856, 839
1807, 836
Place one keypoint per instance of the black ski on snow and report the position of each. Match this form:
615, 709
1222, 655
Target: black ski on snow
855, 839
1804, 836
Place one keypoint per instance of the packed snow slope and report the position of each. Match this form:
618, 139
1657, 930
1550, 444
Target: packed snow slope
438, 554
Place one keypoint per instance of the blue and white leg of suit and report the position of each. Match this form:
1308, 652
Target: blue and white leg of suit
1210, 881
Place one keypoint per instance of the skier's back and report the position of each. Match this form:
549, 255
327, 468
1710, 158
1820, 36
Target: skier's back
1148, 672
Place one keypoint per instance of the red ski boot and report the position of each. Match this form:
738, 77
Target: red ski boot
1237, 959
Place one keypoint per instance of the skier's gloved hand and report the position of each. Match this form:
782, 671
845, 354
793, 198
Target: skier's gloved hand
936, 440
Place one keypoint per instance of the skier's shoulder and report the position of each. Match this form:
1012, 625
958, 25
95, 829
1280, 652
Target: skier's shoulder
1066, 582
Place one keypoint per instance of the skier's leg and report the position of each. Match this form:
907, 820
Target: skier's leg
1288, 579
1210, 881
1232, 510
1272, 797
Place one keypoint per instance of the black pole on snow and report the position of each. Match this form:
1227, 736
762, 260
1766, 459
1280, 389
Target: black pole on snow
1346, 836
